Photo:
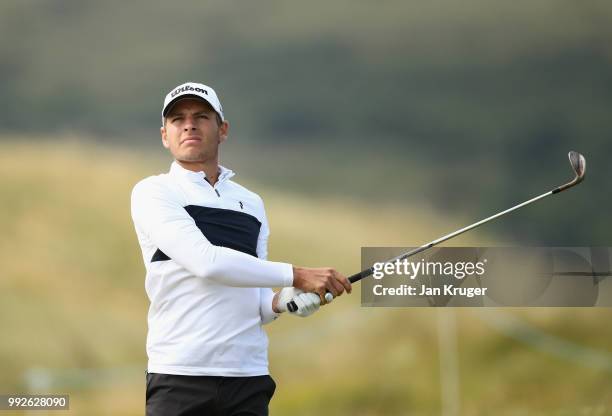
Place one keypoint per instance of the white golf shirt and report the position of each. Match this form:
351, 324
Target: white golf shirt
204, 249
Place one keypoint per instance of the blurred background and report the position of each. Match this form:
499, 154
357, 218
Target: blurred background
360, 124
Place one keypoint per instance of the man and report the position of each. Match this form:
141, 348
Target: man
204, 244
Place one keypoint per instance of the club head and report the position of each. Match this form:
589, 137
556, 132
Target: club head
578, 163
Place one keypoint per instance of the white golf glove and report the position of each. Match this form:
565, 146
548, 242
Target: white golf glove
307, 303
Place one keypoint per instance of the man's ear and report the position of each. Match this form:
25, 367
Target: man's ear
223, 131
162, 131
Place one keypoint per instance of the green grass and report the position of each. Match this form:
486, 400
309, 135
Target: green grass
72, 297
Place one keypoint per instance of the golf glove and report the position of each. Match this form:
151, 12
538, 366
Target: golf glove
307, 303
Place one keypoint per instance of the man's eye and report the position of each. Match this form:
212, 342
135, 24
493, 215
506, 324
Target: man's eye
204, 116
177, 118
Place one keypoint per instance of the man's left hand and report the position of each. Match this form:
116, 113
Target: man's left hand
307, 303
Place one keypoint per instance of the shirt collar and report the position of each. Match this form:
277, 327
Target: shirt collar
178, 170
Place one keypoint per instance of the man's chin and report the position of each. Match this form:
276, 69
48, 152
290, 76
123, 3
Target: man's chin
199, 158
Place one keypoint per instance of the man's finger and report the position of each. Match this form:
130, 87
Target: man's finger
302, 308
344, 281
347, 285
321, 293
339, 287
331, 288
314, 299
304, 300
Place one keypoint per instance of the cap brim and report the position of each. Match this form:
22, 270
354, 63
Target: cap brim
171, 104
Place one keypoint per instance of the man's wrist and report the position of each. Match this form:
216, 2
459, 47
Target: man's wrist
275, 304
297, 276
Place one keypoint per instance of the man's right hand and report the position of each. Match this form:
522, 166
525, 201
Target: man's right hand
320, 281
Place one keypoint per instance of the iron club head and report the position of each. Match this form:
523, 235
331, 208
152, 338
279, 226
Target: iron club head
578, 163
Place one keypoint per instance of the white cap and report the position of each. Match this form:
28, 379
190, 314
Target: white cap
192, 90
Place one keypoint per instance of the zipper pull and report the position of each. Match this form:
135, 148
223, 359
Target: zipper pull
218, 194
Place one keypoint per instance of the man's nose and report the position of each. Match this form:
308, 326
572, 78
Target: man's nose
189, 124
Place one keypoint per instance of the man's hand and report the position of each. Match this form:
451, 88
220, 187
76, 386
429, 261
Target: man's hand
320, 281
307, 303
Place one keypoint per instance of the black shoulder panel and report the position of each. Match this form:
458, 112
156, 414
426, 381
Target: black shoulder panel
224, 228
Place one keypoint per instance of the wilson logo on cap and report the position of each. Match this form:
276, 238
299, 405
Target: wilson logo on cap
187, 88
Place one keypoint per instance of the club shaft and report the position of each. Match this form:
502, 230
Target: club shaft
578, 164
367, 272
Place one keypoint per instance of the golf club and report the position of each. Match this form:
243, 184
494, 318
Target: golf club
578, 163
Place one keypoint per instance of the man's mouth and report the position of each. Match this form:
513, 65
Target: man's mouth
191, 139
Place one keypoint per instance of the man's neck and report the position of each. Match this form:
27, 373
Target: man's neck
210, 169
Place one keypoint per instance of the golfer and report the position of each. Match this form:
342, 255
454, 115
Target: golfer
204, 245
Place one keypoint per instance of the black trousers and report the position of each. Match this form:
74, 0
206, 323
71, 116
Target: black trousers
172, 395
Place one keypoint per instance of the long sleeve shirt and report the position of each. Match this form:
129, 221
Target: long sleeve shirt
207, 278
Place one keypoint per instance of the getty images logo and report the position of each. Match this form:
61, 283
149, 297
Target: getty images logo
188, 88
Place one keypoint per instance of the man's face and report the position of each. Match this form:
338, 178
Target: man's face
192, 132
